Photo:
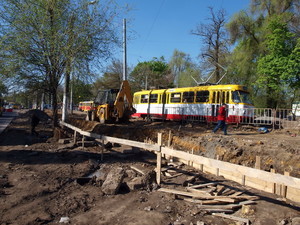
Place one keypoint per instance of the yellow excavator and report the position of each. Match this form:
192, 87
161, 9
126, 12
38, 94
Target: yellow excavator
113, 105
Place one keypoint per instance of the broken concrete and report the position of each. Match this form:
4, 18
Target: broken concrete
113, 181
136, 183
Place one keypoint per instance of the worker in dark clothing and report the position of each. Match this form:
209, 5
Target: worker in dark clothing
221, 119
34, 121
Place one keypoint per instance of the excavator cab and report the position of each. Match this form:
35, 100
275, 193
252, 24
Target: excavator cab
106, 97
113, 104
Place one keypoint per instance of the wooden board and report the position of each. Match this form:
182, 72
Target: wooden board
243, 170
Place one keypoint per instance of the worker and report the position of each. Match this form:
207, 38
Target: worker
34, 121
221, 119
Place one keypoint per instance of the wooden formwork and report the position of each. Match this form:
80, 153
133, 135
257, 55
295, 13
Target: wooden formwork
282, 185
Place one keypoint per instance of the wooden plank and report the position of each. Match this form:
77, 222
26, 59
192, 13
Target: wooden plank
239, 219
243, 170
158, 161
218, 210
201, 202
197, 195
137, 169
237, 193
152, 147
220, 189
203, 185
192, 190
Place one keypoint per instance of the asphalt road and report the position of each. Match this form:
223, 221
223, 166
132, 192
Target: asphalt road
5, 119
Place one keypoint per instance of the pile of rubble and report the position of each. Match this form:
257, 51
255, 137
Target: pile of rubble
112, 179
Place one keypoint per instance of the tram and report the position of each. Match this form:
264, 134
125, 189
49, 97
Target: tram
200, 103
86, 106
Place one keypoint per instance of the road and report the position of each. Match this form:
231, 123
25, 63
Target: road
5, 119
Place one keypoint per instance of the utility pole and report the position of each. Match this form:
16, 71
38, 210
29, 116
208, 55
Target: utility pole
124, 51
71, 95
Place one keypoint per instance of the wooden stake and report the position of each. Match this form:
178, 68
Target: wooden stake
75, 137
243, 179
158, 156
283, 187
274, 184
102, 149
82, 141
258, 163
170, 138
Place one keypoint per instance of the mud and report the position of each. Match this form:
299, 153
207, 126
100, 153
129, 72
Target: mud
39, 176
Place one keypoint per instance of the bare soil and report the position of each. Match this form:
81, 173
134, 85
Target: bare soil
39, 178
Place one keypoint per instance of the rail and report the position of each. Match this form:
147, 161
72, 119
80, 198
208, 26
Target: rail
283, 185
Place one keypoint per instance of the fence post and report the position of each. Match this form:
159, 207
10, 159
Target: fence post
75, 137
258, 163
102, 149
82, 141
158, 156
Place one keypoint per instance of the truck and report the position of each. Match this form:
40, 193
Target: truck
112, 105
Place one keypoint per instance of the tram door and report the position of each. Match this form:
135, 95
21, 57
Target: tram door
218, 98
163, 102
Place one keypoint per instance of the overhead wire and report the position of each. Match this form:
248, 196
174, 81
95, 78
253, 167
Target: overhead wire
151, 27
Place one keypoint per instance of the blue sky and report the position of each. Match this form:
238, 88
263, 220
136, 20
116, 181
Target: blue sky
156, 28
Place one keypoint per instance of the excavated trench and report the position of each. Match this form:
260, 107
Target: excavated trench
278, 149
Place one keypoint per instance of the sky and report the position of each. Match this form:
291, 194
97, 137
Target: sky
156, 28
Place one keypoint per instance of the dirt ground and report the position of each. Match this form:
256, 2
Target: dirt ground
42, 181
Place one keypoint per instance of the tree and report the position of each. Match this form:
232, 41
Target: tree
43, 40
248, 33
81, 91
112, 77
273, 65
214, 38
183, 69
292, 73
151, 74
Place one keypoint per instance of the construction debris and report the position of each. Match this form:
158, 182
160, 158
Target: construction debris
113, 181
220, 199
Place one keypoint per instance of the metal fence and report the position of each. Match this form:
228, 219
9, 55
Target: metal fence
275, 118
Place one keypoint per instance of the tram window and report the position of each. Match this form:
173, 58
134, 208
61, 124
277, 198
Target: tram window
227, 97
202, 96
175, 97
223, 99
188, 96
218, 97
236, 97
214, 97
144, 98
153, 98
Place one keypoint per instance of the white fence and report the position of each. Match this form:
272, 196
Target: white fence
276, 118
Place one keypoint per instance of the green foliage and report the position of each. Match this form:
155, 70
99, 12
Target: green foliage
273, 65
182, 68
185, 77
43, 40
292, 72
81, 91
150, 74
262, 38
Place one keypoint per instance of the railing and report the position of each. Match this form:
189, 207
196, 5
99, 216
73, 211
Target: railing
275, 118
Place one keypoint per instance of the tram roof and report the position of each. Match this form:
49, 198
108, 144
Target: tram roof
197, 88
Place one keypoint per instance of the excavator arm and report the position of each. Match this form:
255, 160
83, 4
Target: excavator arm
123, 103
